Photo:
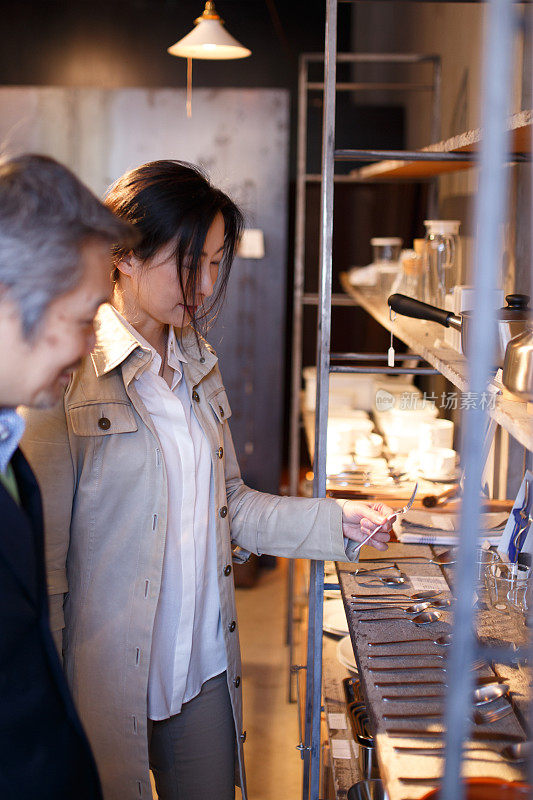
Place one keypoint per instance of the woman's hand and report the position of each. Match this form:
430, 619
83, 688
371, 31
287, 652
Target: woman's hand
360, 519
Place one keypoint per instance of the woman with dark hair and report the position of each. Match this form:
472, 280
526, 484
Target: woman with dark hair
143, 493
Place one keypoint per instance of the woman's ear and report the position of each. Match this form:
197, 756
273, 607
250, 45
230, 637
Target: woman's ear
126, 266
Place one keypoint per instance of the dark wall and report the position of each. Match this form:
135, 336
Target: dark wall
123, 42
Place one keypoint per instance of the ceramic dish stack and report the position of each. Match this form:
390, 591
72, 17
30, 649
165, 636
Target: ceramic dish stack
334, 618
345, 655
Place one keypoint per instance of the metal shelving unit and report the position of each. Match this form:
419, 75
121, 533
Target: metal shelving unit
301, 299
489, 213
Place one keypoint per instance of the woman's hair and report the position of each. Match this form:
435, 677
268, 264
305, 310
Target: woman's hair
174, 201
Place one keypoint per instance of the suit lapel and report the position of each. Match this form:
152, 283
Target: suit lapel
21, 540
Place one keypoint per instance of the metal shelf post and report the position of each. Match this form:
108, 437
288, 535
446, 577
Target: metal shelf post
300, 298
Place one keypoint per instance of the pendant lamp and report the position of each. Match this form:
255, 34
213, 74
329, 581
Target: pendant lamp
208, 40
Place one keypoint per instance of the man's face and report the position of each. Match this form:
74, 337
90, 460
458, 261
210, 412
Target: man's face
35, 371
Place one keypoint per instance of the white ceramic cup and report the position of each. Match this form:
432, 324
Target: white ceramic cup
369, 446
437, 462
437, 433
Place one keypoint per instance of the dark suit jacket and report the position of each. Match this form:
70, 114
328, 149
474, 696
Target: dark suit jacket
44, 754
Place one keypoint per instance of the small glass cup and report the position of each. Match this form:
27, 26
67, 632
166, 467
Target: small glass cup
502, 579
485, 559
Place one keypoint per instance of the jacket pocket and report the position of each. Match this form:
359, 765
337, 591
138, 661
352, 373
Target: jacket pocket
219, 403
102, 419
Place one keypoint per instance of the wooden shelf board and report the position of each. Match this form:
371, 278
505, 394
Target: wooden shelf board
519, 124
426, 339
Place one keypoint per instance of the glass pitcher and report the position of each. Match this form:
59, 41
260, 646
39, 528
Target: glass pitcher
443, 258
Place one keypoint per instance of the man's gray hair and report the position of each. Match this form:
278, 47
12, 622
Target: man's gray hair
46, 215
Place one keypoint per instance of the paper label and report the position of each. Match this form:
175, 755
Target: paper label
337, 721
340, 748
421, 583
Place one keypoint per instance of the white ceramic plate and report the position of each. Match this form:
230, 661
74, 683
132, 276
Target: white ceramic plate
345, 654
454, 476
334, 619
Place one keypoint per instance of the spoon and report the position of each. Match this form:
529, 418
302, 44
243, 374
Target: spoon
359, 571
415, 667
517, 752
425, 595
480, 681
414, 608
410, 655
389, 580
481, 696
447, 557
444, 640
424, 618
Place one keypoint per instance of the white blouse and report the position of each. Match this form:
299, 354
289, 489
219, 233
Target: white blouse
187, 641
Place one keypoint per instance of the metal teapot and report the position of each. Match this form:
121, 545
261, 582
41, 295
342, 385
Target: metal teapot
518, 365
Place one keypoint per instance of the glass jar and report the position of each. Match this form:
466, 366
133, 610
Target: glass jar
386, 249
442, 256
409, 280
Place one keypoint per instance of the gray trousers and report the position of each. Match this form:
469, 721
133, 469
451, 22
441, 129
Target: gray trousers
192, 754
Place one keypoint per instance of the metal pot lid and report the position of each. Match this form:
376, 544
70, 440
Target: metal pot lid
516, 310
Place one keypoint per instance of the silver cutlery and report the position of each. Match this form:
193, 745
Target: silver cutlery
447, 557
475, 664
517, 752
428, 594
389, 684
390, 580
389, 519
412, 608
359, 571
487, 715
481, 696
424, 618
416, 667
444, 640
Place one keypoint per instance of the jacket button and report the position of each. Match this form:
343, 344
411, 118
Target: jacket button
242, 737
202, 360
104, 423
237, 681
232, 626
221, 411
196, 396
227, 570
220, 452
223, 512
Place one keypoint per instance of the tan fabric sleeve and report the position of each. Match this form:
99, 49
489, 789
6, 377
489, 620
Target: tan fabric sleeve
46, 446
293, 527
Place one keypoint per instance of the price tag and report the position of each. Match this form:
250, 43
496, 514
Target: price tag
337, 721
340, 748
421, 583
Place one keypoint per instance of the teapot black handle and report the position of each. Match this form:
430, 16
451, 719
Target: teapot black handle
410, 307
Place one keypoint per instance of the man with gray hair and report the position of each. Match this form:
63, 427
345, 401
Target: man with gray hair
55, 268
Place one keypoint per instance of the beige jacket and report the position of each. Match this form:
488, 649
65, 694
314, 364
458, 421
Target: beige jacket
99, 464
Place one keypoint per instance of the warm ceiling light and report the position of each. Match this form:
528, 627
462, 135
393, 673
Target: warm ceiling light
209, 39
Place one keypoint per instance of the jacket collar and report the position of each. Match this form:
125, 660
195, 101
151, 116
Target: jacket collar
115, 344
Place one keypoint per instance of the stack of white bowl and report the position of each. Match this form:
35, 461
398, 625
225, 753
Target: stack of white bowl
403, 427
346, 391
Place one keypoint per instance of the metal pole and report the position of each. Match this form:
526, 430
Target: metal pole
528, 36
433, 193
489, 214
297, 332
311, 785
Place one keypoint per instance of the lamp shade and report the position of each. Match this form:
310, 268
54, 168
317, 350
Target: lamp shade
209, 40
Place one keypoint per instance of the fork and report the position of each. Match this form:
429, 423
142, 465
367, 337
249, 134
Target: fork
391, 518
